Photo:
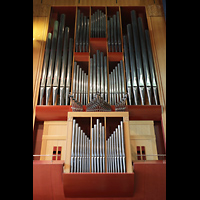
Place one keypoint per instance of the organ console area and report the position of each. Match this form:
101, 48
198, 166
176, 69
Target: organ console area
99, 100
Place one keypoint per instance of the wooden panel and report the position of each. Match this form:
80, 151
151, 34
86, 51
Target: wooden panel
60, 2
143, 134
40, 25
97, 2
98, 184
150, 180
141, 128
52, 113
62, 143
68, 146
144, 112
54, 134
41, 10
127, 144
157, 31
55, 128
150, 148
53, 137
47, 180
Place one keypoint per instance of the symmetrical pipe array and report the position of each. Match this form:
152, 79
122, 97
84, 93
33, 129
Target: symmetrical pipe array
139, 63
80, 85
98, 24
80, 151
98, 76
116, 161
57, 64
116, 84
98, 148
139, 66
114, 147
82, 33
114, 34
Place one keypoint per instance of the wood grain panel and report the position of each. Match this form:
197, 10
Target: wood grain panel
157, 31
40, 25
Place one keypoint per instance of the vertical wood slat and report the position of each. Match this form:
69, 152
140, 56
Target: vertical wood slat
40, 25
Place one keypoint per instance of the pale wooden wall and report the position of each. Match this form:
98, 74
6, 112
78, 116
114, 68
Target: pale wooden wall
142, 133
54, 134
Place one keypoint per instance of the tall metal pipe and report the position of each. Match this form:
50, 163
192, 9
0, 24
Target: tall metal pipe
114, 88
100, 24
115, 32
110, 89
106, 78
78, 31
77, 80
117, 148
85, 89
97, 138
45, 67
102, 76
109, 39
84, 32
91, 27
120, 81
122, 78
95, 147
79, 83
74, 80
114, 149
92, 154
120, 148
95, 29
86, 99
82, 87
151, 67
103, 148
75, 148
132, 64
64, 65
81, 33
112, 33
100, 149
98, 72
127, 66
145, 59
119, 33
117, 84
123, 147
87, 36
94, 76
72, 149
78, 149
69, 66
138, 56
81, 151
58, 58
51, 61
107, 166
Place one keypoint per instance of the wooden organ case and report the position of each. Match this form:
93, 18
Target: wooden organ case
143, 124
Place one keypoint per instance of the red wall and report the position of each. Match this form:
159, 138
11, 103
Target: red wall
149, 181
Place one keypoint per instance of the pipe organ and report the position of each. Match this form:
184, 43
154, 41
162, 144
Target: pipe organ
97, 74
